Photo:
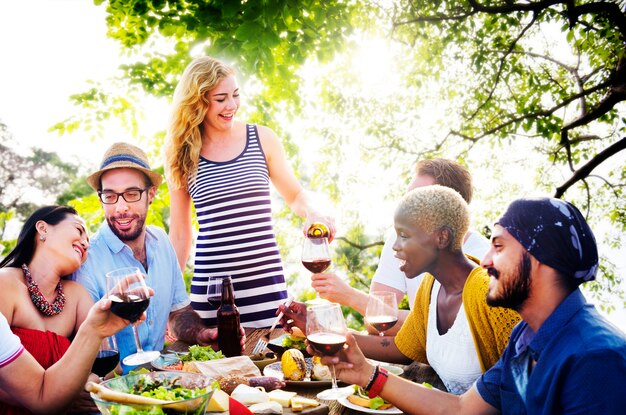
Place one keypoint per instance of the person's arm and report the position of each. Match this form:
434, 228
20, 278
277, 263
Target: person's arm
285, 181
332, 287
187, 326
411, 398
83, 402
381, 348
181, 232
51, 390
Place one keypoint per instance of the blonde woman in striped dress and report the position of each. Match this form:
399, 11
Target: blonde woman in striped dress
224, 167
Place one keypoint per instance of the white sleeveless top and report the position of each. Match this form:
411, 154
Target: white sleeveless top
453, 354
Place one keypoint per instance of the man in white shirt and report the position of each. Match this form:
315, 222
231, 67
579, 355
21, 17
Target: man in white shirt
388, 276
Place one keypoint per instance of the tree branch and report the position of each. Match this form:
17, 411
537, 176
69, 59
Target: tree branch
501, 65
585, 170
536, 114
358, 246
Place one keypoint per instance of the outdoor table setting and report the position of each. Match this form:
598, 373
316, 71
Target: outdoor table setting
309, 388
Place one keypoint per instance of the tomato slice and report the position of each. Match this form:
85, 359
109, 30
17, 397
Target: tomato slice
237, 408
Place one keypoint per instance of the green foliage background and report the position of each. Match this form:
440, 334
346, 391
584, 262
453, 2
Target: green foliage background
513, 90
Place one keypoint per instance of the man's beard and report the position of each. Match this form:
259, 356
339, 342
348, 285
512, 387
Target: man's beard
133, 233
514, 289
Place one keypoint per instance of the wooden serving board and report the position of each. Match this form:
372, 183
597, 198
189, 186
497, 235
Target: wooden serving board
322, 409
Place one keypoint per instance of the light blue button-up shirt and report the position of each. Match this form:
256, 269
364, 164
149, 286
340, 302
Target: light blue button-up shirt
107, 252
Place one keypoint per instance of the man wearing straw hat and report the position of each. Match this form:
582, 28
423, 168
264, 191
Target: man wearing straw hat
126, 186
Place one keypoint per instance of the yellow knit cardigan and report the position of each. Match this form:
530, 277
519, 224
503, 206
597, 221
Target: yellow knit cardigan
490, 326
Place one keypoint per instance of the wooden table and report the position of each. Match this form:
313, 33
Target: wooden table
416, 372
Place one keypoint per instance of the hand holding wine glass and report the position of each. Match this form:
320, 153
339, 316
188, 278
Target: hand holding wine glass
130, 297
382, 311
326, 332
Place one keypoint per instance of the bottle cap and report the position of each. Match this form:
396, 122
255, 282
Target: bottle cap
318, 230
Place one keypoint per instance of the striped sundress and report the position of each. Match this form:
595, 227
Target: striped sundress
236, 236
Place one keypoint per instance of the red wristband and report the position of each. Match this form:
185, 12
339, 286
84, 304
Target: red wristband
379, 382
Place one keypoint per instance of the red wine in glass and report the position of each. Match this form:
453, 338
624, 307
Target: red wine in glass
326, 332
128, 306
130, 297
382, 311
106, 361
214, 301
316, 265
214, 290
382, 323
326, 343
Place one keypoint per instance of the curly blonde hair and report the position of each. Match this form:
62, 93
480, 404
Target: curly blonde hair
184, 135
435, 207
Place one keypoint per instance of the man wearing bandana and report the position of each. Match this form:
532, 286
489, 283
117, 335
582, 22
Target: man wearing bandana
563, 358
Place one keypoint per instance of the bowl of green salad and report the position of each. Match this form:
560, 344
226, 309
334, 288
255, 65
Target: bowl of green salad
154, 393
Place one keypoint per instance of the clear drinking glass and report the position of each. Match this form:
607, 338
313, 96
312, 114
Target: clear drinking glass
382, 311
326, 333
129, 295
316, 258
214, 290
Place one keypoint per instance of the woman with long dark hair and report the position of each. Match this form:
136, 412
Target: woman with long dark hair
41, 306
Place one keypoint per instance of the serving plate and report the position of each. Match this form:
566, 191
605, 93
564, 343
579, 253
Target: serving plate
391, 411
161, 362
276, 370
276, 345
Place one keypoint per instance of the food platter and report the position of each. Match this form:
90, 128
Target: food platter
391, 411
276, 370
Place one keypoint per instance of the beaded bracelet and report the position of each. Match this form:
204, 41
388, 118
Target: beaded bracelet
379, 382
372, 377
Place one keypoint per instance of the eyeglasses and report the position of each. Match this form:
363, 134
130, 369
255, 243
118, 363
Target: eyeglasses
130, 196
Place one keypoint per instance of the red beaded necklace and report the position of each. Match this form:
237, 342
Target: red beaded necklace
39, 300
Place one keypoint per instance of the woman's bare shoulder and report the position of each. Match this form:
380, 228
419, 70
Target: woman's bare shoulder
10, 275
75, 287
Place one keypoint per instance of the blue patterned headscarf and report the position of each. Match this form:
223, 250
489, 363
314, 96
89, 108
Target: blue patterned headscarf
555, 233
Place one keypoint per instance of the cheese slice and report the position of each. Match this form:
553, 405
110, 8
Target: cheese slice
299, 402
218, 402
281, 396
266, 408
248, 395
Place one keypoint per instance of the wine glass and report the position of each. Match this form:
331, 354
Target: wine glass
316, 258
382, 311
129, 295
214, 290
326, 333
107, 358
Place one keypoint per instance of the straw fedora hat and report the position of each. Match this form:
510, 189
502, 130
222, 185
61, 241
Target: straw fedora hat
124, 155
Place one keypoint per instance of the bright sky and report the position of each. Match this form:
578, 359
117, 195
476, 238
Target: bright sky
49, 49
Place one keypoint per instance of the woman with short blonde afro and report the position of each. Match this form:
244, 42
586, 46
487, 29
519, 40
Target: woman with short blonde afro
436, 207
224, 167
450, 327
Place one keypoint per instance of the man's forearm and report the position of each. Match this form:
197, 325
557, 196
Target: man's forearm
186, 324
